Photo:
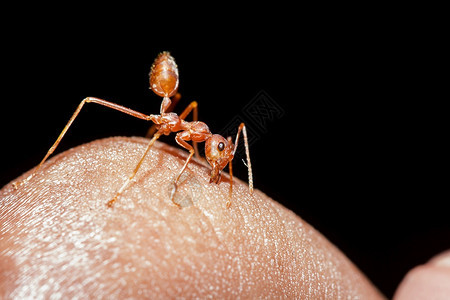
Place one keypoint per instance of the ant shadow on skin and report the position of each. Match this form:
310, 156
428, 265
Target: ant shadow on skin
188, 192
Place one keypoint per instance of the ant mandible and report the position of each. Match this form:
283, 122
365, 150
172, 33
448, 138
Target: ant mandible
219, 151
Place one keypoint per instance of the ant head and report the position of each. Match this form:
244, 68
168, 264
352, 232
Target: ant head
218, 152
164, 75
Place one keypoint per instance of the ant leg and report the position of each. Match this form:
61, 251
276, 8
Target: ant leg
75, 114
179, 138
192, 106
247, 153
249, 165
175, 99
130, 178
230, 169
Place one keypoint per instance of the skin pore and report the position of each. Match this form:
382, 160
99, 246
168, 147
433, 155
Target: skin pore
58, 237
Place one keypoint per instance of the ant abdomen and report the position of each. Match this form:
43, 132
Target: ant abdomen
164, 75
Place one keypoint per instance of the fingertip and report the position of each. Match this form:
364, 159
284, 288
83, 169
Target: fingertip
441, 260
429, 281
255, 249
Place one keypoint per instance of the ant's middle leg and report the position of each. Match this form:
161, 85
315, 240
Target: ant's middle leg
181, 138
193, 106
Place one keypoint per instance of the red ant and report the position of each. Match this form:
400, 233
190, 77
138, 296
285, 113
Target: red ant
164, 82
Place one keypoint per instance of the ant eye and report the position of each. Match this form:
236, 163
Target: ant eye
221, 146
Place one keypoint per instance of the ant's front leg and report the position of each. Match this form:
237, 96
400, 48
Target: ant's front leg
242, 129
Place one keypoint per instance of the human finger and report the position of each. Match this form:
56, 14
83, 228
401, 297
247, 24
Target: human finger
428, 281
59, 237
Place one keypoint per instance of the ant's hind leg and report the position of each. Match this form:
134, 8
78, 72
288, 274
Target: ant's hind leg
102, 102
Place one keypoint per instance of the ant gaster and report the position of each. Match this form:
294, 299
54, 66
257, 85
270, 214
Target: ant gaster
219, 151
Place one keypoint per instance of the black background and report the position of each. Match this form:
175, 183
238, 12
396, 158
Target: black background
357, 150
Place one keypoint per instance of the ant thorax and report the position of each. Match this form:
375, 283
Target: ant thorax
167, 123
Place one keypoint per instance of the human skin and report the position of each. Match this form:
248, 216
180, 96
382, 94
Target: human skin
428, 281
58, 237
